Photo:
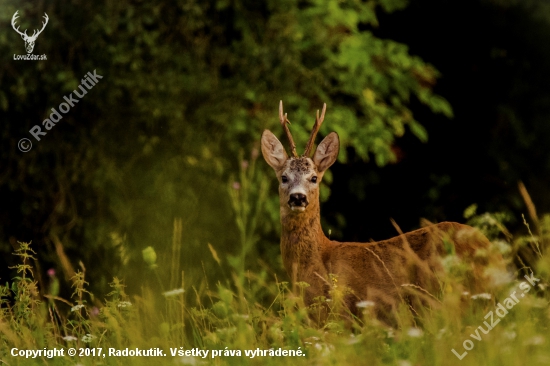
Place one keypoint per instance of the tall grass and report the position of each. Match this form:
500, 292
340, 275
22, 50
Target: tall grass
257, 311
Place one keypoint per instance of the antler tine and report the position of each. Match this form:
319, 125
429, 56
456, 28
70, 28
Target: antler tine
13, 23
316, 127
46, 18
284, 122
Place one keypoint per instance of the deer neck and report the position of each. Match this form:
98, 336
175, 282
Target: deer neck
302, 239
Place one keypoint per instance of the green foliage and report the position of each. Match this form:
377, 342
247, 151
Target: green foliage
247, 195
236, 318
160, 143
187, 89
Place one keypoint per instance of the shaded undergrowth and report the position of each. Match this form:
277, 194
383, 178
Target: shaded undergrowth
254, 317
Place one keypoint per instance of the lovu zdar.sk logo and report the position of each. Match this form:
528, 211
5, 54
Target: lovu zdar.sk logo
29, 40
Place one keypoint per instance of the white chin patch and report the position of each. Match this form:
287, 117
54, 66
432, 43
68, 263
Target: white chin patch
298, 208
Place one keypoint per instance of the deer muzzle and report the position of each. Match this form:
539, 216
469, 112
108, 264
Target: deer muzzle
297, 202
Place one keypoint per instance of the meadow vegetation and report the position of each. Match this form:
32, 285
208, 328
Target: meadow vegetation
257, 311
145, 220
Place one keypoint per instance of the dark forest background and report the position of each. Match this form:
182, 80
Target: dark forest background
439, 105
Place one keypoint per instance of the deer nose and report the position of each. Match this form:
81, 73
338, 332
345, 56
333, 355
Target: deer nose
297, 199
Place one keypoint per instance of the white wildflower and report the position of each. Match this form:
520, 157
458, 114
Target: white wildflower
124, 304
77, 307
324, 348
70, 338
174, 292
498, 277
535, 341
481, 296
353, 339
88, 338
414, 332
365, 304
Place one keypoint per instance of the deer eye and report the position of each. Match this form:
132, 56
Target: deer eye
284, 179
314, 179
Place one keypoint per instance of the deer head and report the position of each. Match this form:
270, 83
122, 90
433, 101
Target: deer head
299, 176
29, 40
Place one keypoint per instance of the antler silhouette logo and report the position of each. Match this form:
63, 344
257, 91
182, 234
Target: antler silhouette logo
29, 40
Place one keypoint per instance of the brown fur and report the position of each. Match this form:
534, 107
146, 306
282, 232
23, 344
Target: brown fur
376, 271
369, 271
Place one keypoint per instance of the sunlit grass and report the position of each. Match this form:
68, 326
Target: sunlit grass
256, 318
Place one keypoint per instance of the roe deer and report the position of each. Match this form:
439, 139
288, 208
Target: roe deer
383, 272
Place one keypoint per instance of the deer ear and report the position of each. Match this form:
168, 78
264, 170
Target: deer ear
327, 152
273, 151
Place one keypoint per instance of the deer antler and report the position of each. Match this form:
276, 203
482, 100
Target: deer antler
34, 33
15, 16
284, 121
316, 127
43, 25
